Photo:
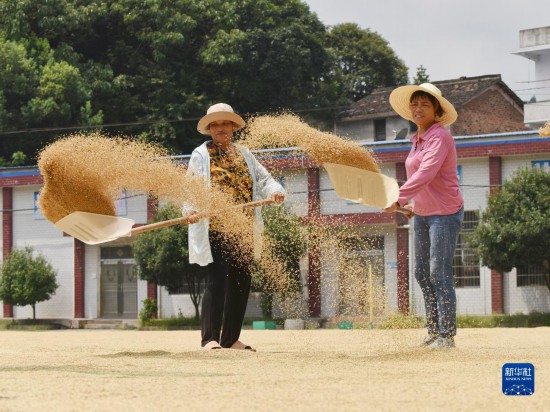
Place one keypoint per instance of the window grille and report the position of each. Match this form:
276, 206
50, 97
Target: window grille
530, 275
466, 263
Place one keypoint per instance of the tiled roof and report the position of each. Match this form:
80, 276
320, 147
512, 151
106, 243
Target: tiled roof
457, 91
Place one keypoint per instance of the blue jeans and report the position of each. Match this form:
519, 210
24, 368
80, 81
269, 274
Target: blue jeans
435, 242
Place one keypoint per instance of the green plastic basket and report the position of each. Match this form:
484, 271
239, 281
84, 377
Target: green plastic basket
264, 324
345, 325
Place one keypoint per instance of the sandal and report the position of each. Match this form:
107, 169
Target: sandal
212, 345
241, 346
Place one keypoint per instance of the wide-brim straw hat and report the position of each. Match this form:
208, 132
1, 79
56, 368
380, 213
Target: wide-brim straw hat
219, 111
400, 100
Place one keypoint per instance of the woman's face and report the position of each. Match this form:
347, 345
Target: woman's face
423, 112
221, 132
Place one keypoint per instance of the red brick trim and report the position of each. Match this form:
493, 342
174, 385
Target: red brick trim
21, 180
152, 205
152, 293
495, 180
497, 295
314, 254
352, 219
7, 234
403, 270
313, 194
505, 149
314, 277
79, 278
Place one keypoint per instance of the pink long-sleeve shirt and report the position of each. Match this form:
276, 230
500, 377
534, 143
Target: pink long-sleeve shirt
432, 178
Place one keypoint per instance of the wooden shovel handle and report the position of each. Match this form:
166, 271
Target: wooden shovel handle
183, 220
406, 212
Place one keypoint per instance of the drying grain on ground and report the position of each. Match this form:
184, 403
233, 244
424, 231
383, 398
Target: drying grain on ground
311, 370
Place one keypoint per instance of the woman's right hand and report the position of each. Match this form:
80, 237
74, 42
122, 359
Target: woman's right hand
192, 217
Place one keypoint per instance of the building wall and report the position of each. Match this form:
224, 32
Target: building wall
526, 298
30, 229
295, 183
362, 129
491, 112
542, 72
474, 183
92, 281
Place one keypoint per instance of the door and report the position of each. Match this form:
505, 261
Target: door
118, 289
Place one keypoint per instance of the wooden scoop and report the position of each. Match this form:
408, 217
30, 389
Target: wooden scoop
365, 187
93, 228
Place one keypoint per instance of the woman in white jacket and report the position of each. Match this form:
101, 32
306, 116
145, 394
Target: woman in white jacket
234, 169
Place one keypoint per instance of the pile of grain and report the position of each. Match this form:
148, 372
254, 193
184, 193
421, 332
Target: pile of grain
87, 172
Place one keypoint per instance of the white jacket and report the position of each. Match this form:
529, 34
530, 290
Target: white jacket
263, 186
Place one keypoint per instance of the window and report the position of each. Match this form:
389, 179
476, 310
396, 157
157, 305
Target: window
118, 252
466, 262
531, 275
379, 130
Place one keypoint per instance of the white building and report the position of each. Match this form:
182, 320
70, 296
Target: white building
100, 281
535, 45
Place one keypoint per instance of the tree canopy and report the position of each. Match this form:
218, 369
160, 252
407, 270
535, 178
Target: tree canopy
151, 68
363, 61
513, 231
162, 256
27, 279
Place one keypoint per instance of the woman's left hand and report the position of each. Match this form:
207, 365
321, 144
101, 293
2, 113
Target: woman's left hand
392, 208
278, 197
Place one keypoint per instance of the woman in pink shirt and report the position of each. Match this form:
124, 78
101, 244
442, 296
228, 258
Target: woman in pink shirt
432, 185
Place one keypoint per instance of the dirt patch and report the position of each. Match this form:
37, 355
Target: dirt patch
307, 370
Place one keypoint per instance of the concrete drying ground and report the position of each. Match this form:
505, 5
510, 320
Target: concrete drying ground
312, 370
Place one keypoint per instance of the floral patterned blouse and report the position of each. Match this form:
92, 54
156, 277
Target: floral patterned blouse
229, 172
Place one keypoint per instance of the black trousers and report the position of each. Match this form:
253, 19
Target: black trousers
226, 294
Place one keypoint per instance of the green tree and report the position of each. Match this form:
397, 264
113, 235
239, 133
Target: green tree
162, 256
63, 97
363, 60
155, 66
421, 75
513, 231
287, 243
27, 279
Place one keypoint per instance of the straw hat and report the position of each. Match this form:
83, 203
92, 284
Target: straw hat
219, 111
400, 99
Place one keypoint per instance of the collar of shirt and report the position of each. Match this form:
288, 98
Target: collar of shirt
416, 140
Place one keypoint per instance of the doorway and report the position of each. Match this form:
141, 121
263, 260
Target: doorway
118, 284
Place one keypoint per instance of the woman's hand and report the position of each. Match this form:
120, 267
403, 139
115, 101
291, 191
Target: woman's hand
278, 197
392, 208
397, 208
192, 217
